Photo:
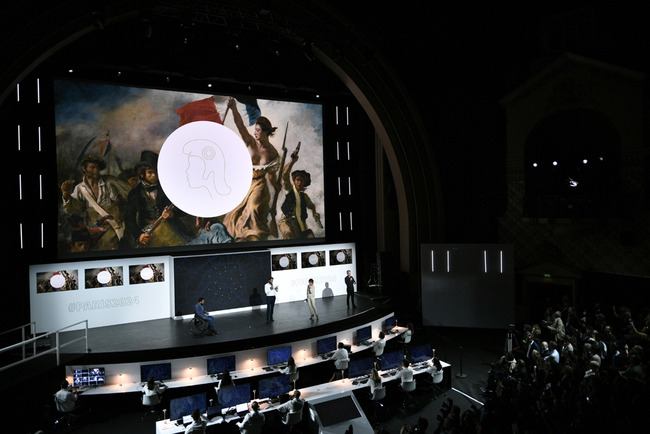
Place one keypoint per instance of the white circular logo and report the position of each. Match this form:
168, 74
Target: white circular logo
205, 169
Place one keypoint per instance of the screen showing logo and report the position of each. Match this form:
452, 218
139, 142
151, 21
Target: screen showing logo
205, 169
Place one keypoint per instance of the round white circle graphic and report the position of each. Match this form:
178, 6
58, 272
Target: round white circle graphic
103, 277
284, 262
146, 273
340, 256
205, 169
57, 281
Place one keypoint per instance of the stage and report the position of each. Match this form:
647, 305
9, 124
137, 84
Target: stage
171, 338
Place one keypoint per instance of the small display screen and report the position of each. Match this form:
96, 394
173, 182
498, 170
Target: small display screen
221, 364
392, 360
89, 377
421, 353
390, 323
357, 368
274, 386
327, 345
231, 396
277, 356
159, 371
364, 334
179, 407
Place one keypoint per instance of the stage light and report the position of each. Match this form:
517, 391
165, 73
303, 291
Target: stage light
584, 161
555, 163
534, 164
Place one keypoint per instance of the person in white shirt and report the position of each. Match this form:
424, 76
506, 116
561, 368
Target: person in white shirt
295, 405
408, 334
311, 299
152, 388
67, 400
198, 424
375, 381
253, 420
270, 291
405, 374
339, 356
291, 367
378, 349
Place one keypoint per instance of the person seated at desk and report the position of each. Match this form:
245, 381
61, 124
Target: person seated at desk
434, 366
253, 421
152, 388
67, 401
295, 405
378, 349
405, 374
226, 381
291, 367
198, 424
341, 359
407, 336
375, 381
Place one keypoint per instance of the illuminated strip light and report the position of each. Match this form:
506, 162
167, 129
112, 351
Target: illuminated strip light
448, 261
347, 116
351, 228
338, 157
40, 187
340, 222
339, 180
501, 261
18, 92
349, 186
38, 91
41, 235
433, 262
348, 151
20, 187
21, 236
39, 139
19, 137
485, 260
467, 396
337, 115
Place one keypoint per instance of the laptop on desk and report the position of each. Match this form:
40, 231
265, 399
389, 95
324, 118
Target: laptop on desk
242, 408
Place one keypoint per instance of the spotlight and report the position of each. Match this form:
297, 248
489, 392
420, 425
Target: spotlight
584, 161
555, 163
534, 164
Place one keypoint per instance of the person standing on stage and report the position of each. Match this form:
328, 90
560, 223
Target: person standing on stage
199, 311
271, 292
349, 284
311, 299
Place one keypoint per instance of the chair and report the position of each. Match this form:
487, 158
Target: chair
343, 367
407, 388
292, 419
65, 412
293, 378
377, 395
150, 401
437, 379
198, 325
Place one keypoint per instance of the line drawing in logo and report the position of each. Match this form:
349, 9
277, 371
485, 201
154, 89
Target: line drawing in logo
206, 167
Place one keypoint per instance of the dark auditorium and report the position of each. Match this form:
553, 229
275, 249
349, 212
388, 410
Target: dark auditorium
325, 217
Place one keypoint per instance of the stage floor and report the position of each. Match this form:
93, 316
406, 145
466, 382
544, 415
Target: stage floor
238, 330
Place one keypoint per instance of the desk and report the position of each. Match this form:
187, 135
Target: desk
133, 387
310, 394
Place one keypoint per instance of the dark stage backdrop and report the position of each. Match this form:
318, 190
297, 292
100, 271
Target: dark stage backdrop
225, 281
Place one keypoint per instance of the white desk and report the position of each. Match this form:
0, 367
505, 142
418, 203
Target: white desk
132, 387
311, 394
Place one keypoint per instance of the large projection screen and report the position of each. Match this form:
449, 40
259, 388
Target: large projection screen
127, 154
468, 285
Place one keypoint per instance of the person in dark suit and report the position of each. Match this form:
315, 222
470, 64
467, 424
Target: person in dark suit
349, 286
